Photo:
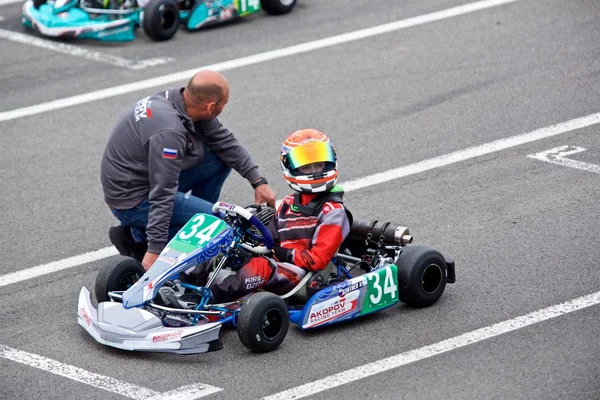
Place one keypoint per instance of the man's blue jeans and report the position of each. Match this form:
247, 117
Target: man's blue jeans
204, 180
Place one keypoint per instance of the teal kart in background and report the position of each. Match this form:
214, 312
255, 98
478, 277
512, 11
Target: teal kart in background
116, 20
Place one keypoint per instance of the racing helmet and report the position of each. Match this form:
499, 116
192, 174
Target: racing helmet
305, 147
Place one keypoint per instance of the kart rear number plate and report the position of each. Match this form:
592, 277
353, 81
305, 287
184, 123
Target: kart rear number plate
248, 6
382, 289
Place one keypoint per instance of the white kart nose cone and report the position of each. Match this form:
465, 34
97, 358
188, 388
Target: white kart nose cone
136, 329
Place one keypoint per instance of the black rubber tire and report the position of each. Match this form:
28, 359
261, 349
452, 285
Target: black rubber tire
120, 274
422, 276
38, 3
254, 332
161, 19
276, 7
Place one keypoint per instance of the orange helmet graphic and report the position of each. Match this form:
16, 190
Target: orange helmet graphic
300, 136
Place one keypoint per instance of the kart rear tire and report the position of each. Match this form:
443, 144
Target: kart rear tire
422, 276
161, 19
277, 7
263, 322
120, 274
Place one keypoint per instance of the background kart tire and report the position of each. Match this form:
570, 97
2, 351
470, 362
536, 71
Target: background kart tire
118, 275
277, 7
422, 276
38, 3
263, 322
161, 19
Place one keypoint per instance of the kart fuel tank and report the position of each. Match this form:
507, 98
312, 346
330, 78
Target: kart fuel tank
389, 233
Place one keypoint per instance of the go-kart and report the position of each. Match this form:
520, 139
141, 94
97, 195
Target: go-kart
376, 267
116, 20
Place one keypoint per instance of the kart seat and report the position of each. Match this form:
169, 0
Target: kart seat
299, 294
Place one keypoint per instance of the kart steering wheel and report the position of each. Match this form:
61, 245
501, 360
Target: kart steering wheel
248, 216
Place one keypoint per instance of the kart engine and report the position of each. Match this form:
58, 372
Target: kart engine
380, 232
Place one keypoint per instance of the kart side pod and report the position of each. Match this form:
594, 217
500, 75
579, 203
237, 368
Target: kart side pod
385, 232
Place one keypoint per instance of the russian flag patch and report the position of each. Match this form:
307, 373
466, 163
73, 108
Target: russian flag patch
170, 153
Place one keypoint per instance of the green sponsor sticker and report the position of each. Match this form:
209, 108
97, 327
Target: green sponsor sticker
382, 289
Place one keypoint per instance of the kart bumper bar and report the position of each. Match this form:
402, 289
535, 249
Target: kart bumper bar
451, 270
136, 329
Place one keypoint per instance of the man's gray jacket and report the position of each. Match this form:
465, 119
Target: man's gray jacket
150, 145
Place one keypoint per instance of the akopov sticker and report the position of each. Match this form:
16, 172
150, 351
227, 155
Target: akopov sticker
331, 309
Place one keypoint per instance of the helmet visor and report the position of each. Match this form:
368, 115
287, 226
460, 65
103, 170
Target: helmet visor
309, 153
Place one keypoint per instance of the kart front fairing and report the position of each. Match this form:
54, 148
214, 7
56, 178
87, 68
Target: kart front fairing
66, 19
175, 258
132, 324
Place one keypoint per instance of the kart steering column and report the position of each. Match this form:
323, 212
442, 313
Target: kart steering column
220, 265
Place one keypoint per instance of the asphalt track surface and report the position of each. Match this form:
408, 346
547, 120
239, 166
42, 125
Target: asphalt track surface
524, 232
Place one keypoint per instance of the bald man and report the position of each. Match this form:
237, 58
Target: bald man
165, 145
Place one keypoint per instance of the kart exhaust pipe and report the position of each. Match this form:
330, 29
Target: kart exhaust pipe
385, 232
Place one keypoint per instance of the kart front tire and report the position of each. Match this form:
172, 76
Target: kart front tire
161, 19
263, 322
120, 274
422, 276
38, 3
277, 7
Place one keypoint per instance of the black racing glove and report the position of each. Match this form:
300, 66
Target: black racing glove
240, 258
282, 254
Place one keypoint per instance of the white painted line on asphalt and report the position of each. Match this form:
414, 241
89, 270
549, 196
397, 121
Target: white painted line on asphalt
109, 384
56, 266
475, 151
253, 59
188, 392
77, 51
356, 184
558, 155
399, 360
6, 2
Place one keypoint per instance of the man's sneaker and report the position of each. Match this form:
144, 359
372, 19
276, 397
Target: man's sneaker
121, 238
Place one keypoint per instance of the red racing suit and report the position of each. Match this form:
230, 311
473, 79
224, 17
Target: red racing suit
303, 243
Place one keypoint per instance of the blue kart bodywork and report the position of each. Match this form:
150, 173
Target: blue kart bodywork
138, 314
117, 20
